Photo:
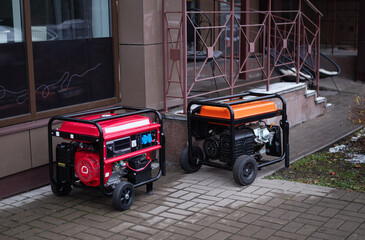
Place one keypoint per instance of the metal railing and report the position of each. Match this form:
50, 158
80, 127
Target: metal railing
236, 49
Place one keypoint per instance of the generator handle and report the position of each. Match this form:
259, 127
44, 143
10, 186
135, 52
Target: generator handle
135, 110
260, 96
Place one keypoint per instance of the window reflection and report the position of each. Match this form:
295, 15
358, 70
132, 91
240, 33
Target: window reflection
10, 21
70, 19
14, 93
73, 52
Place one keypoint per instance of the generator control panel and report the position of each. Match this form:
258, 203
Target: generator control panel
131, 143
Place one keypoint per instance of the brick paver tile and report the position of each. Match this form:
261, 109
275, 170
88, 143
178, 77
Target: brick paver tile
143, 229
271, 225
87, 236
288, 235
249, 230
312, 199
292, 227
264, 233
349, 226
350, 196
292, 208
275, 202
134, 234
219, 236
207, 221
331, 231
99, 233
256, 209
315, 210
172, 216
239, 237
307, 230
355, 207
51, 235
224, 202
158, 210
74, 215
180, 230
231, 223
289, 215
162, 235
121, 227
190, 196
41, 225
26, 234
308, 221
196, 217
165, 223
249, 218
225, 228
205, 233
138, 214
74, 230
63, 227
334, 223
236, 215
198, 207
215, 192
180, 211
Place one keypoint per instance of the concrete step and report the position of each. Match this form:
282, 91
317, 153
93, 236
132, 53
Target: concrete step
310, 93
320, 100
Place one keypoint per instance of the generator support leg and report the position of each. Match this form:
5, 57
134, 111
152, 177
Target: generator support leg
285, 127
149, 188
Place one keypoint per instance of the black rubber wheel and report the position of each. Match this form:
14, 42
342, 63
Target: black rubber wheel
191, 165
60, 190
123, 196
245, 170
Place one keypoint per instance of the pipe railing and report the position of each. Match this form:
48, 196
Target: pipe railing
197, 65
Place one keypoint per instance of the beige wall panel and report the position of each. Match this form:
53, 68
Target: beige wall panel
152, 21
154, 76
15, 153
132, 75
130, 22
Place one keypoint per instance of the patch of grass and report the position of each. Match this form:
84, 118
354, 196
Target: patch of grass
328, 169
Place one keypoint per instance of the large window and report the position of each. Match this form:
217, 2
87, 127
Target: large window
72, 57
13, 77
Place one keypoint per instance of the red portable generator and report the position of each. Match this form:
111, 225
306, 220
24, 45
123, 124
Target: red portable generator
103, 148
231, 133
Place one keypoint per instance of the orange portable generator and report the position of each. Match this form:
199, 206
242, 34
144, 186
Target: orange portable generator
230, 132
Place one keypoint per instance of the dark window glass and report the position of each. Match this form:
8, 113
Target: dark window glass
73, 52
14, 92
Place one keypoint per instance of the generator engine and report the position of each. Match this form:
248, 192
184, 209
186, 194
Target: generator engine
126, 150
254, 139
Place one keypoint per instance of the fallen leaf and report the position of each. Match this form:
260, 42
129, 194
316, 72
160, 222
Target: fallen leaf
357, 166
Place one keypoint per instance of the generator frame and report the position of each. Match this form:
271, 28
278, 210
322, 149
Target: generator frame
99, 140
231, 124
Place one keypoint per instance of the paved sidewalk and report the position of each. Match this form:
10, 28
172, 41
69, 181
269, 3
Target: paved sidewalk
203, 205
207, 204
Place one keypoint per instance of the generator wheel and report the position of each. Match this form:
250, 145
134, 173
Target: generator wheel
245, 170
194, 164
60, 190
123, 196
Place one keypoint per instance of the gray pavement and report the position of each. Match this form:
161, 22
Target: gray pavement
207, 204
